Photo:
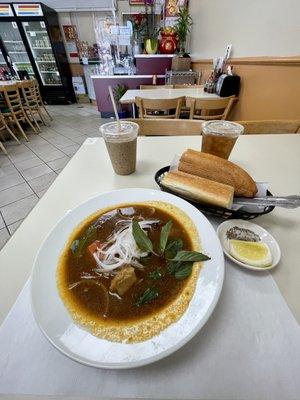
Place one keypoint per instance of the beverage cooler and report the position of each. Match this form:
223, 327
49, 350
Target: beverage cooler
31, 46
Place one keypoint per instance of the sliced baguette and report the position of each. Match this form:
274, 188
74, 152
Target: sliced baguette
199, 189
219, 170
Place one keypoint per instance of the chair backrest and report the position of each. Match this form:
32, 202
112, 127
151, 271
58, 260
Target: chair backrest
37, 90
159, 108
270, 126
12, 98
207, 109
186, 86
156, 86
29, 93
168, 127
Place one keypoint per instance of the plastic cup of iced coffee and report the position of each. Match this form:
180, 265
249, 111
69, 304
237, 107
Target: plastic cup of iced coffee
219, 137
120, 139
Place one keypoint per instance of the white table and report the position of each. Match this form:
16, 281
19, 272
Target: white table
160, 93
268, 158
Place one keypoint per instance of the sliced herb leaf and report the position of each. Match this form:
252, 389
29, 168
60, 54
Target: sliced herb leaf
164, 235
74, 246
184, 270
173, 266
173, 248
156, 274
184, 256
89, 235
140, 237
149, 295
180, 270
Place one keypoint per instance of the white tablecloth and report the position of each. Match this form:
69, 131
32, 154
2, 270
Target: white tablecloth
249, 348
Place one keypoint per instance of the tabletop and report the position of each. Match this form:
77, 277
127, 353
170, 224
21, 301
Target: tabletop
9, 83
160, 93
271, 158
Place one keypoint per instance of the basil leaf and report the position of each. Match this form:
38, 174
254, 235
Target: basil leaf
74, 246
184, 256
164, 234
89, 235
184, 270
149, 295
173, 248
140, 237
173, 266
156, 274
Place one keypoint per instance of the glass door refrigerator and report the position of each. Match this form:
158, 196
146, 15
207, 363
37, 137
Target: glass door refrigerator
42, 43
13, 53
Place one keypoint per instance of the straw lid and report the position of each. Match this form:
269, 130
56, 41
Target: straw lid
222, 128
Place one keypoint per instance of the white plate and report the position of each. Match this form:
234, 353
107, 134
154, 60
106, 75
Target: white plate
75, 342
265, 236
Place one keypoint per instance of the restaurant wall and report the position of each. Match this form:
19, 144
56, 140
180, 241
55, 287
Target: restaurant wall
270, 87
255, 28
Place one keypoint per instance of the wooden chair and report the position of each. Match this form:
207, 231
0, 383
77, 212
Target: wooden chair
30, 102
40, 100
159, 108
168, 127
5, 127
270, 126
210, 108
156, 86
14, 112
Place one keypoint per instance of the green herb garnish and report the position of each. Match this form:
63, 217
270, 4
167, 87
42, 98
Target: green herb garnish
156, 274
78, 245
164, 235
141, 239
184, 256
173, 248
149, 295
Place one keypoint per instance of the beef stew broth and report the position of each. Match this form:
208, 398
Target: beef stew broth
87, 288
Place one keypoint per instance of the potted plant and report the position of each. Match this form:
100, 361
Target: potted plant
151, 42
118, 92
183, 27
139, 26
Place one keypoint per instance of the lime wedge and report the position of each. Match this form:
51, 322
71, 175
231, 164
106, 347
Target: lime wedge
256, 254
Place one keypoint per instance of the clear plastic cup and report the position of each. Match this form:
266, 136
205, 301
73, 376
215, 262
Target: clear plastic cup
219, 137
121, 145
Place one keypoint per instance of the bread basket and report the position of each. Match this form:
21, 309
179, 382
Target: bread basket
212, 210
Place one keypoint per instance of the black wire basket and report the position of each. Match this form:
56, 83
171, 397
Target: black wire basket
212, 210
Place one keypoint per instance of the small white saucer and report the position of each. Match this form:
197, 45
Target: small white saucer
263, 234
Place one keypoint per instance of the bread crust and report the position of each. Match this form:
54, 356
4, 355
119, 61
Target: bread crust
200, 189
219, 170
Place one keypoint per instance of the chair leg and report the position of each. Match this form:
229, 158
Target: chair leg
42, 117
34, 120
3, 148
21, 129
29, 122
47, 112
12, 134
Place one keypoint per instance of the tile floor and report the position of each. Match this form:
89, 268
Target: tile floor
30, 168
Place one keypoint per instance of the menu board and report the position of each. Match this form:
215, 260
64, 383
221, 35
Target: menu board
5, 10
28, 10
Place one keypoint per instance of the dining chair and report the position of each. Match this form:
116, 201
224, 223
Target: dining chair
14, 112
159, 108
40, 99
168, 127
156, 86
30, 102
5, 127
208, 109
270, 126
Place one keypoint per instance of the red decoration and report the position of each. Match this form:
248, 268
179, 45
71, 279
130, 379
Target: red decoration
169, 41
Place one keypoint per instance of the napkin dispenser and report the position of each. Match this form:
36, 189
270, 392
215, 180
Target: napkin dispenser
228, 85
